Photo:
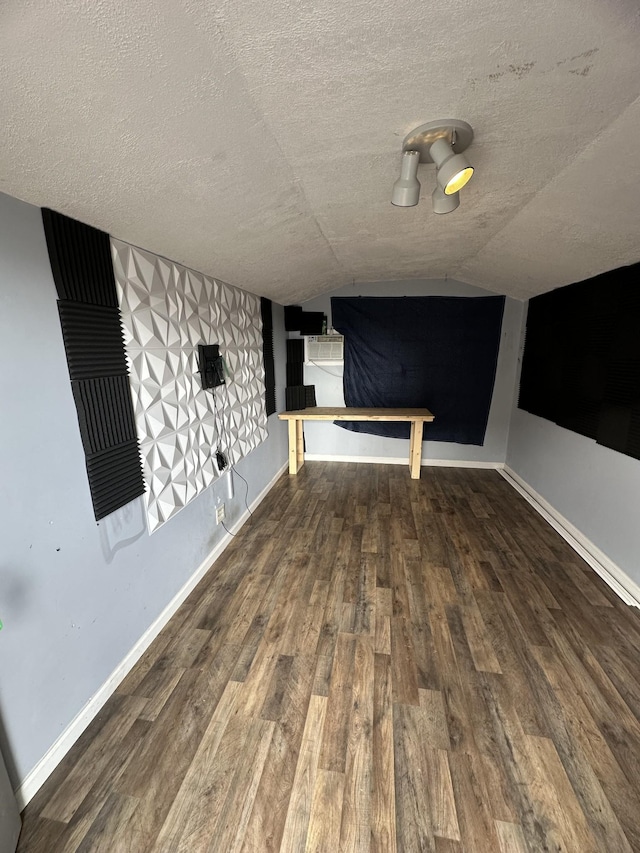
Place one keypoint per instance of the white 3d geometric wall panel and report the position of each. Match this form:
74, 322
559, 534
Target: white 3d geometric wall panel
167, 310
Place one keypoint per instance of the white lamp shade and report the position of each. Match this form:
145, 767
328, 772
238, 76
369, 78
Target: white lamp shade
406, 190
443, 203
454, 170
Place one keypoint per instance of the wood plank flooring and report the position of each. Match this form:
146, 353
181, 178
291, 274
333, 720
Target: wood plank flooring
374, 664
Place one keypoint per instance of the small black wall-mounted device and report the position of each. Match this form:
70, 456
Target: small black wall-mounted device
210, 365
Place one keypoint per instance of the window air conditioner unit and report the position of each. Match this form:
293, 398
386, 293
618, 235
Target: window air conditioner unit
323, 349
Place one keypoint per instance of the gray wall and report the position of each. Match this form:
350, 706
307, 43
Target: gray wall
9, 816
326, 439
593, 487
76, 596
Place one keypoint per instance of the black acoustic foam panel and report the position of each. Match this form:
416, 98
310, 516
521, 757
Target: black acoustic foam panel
312, 323
90, 319
296, 398
295, 350
266, 310
581, 364
80, 259
295, 373
305, 322
292, 318
104, 412
114, 477
300, 397
309, 396
92, 340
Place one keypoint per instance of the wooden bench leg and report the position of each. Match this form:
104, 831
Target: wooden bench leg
296, 445
415, 449
299, 443
293, 447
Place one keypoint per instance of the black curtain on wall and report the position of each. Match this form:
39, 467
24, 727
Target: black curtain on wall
438, 352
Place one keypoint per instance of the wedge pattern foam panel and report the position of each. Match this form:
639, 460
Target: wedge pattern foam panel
82, 270
167, 310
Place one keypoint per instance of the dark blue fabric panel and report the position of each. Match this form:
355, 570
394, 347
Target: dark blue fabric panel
438, 352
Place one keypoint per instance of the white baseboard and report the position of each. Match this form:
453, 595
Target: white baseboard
459, 463
626, 588
401, 460
50, 760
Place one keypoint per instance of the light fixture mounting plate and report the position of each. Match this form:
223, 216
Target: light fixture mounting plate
458, 134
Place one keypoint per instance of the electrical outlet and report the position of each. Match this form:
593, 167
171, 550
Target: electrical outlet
219, 513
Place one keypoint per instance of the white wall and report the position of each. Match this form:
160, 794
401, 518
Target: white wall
75, 596
326, 439
593, 487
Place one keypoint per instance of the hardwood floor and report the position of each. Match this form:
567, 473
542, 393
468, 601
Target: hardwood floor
374, 664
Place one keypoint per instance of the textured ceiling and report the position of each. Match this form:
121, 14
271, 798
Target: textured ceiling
258, 142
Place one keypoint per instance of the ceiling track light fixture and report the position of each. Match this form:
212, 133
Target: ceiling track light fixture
443, 203
406, 190
442, 143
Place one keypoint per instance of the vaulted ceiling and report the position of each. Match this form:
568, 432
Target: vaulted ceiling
258, 141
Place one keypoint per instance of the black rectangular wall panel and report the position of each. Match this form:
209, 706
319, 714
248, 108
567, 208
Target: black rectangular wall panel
114, 477
266, 310
309, 396
296, 398
92, 340
305, 322
300, 397
80, 259
581, 363
295, 373
295, 391
104, 412
312, 323
295, 350
90, 319
292, 318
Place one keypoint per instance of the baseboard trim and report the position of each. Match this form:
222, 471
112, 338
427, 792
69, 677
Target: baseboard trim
401, 460
458, 463
626, 588
54, 755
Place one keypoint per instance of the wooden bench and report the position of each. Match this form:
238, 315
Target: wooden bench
416, 417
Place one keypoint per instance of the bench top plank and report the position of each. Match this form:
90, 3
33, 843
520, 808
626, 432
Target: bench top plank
342, 413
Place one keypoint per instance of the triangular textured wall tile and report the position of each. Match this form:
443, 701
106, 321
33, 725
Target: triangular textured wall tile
167, 310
